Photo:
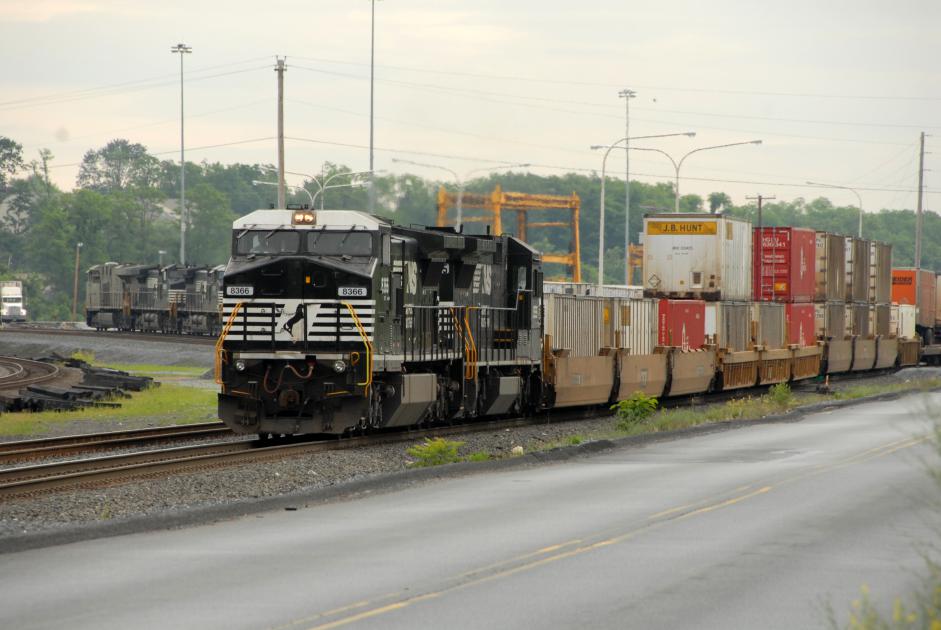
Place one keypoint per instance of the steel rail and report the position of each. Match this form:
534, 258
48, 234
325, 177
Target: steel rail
26, 372
22, 450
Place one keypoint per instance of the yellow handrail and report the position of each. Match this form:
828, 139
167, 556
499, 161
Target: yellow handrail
221, 340
470, 365
368, 345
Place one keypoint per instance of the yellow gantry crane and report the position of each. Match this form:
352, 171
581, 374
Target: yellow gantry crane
497, 201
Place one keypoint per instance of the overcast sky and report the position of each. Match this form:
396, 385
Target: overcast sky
838, 91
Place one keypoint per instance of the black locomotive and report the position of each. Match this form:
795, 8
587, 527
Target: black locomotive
337, 321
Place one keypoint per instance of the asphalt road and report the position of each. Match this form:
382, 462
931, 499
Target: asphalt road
758, 527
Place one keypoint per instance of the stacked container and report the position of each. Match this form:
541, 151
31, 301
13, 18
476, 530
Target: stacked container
785, 270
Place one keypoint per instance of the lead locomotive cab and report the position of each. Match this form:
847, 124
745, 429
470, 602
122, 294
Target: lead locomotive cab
300, 302
337, 320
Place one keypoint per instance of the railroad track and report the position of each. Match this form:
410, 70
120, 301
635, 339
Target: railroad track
27, 450
137, 336
16, 373
26, 481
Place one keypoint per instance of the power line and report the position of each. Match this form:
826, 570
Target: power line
645, 87
174, 151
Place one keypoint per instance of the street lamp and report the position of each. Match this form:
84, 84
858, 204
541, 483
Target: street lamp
678, 165
160, 253
459, 204
320, 192
322, 186
604, 162
372, 77
256, 182
78, 248
183, 50
852, 190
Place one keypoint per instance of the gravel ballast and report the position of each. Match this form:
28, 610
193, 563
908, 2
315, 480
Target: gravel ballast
158, 497
105, 349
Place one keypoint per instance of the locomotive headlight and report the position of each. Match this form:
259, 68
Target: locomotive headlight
339, 366
240, 366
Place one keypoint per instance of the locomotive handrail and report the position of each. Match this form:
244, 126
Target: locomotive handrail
221, 340
470, 366
368, 344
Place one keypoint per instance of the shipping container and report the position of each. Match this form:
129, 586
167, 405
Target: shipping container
830, 320
830, 267
882, 322
859, 320
880, 272
800, 324
681, 324
701, 256
783, 264
583, 325
937, 299
903, 292
903, 318
770, 325
857, 269
728, 325
587, 288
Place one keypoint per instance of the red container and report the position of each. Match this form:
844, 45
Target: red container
800, 324
681, 324
783, 261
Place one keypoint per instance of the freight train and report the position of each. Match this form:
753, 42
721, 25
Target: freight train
153, 298
337, 321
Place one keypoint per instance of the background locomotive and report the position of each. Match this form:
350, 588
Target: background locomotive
338, 320
151, 298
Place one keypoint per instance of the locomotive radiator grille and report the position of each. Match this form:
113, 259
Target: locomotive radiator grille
327, 320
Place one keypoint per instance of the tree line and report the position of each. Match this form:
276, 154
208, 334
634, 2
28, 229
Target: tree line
125, 207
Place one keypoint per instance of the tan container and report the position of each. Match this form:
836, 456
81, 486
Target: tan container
583, 380
887, 350
859, 320
642, 373
691, 372
864, 354
830, 267
728, 325
839, 355
880, 272
857, 269
770, 325
909, 350
700, 256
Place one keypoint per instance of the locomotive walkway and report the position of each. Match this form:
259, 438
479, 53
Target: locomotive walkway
755, 527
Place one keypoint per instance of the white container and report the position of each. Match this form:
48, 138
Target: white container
587, 288
903, 320
701, 256
581, 326
728, 325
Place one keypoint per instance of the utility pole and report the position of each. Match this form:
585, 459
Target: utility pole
919, 217
279, 68
761, 250
78, 248
183, 49
627, 95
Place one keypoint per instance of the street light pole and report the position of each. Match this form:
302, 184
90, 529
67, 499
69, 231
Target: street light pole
459, 181
78, 247
256, 182
604, 162
372, 77
858, 199
627, 95
182, 49
678, 165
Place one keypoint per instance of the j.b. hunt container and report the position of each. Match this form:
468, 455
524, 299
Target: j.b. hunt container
783, 264
697, 256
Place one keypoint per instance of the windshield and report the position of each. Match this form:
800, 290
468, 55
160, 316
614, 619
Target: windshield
12, 300
268, 242
324, 243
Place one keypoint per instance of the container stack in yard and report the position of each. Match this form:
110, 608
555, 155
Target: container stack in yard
915, 314
784, 263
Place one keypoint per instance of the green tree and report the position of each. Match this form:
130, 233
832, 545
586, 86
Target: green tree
11, 160
119, 165
718, 201
210, 226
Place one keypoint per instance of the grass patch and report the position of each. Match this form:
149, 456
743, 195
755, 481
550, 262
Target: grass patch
435, 452
150, 369
479, 456
165, 405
